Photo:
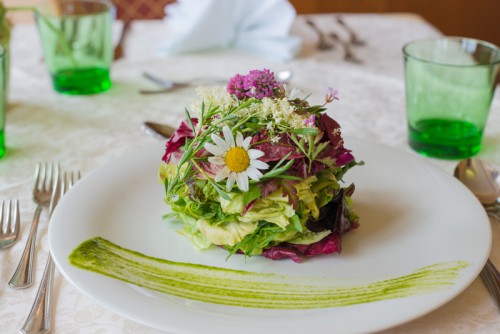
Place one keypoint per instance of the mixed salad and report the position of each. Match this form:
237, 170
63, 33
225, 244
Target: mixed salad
256, 170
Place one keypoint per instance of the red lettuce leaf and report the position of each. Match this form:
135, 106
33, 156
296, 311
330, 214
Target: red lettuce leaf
332, 129
275, 151
282, 252
268, 187
178, 139
290, 191
335, 216
300, 168
287, 187
329, 244
337, 151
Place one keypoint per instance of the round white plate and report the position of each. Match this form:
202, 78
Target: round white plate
412, 215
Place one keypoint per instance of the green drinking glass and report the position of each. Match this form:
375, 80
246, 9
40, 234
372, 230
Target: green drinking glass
76, 38
450, 83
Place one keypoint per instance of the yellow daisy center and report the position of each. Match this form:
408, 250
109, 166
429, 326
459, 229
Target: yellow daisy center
237, 159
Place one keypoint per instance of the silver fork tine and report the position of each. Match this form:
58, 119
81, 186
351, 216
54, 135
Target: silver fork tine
39, 318
23, 276
17, 224
9, 226
37, 174
54, 171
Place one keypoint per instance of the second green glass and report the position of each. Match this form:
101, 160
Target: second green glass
450, 83
76, 37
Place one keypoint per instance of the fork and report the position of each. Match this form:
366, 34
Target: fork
491, 278
323, 44
354, 39
45, 176
349, 55
39, 318
9, 228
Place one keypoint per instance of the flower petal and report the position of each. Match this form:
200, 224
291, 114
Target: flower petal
220, 142
242, 181
214, 149
228, 136
259, 164
222, 174
230, 181
246, 143
253, 173
219, 161
255, 154
239, 139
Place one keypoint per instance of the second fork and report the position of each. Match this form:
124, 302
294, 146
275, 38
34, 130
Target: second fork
45, 177
39, 319
9, 228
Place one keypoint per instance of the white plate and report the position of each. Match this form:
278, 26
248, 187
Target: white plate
412, 215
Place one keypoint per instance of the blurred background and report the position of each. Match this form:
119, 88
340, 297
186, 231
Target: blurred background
478, 19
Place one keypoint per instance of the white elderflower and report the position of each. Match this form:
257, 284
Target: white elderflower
210, 97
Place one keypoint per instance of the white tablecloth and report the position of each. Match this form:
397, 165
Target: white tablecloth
86, 132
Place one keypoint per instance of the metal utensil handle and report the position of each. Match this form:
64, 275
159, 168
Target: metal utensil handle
491, 278
23, 276
39, 318
162, 82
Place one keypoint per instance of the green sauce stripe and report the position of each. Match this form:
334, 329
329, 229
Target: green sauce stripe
249, 289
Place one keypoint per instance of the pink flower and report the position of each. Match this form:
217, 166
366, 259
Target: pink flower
256, 84
331, 94
236, 86
311, 121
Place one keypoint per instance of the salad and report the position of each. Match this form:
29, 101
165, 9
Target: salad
255, 169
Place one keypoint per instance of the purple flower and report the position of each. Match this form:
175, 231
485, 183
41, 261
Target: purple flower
331, 94
256, 84
311, 120
235, 86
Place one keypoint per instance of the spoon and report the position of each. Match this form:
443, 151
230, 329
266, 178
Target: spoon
158, 130
483, 180
168, 85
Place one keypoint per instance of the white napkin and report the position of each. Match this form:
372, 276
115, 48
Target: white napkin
261, 26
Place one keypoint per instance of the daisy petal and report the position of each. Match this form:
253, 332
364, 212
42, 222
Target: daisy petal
221, 143
255, 154
239, 139
222, 174
230, 181
259, 164
242, 181
214, 149
253, 173
246, 143
228, 136
217, 161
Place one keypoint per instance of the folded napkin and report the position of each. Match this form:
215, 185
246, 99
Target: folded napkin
261, 26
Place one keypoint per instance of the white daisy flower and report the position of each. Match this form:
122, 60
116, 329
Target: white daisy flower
240, 162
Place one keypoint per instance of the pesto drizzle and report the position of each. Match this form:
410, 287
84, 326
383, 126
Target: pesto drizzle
250, 289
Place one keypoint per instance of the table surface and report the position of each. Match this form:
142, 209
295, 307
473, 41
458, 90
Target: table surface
86, 132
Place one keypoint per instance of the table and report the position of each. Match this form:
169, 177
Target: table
86, 132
